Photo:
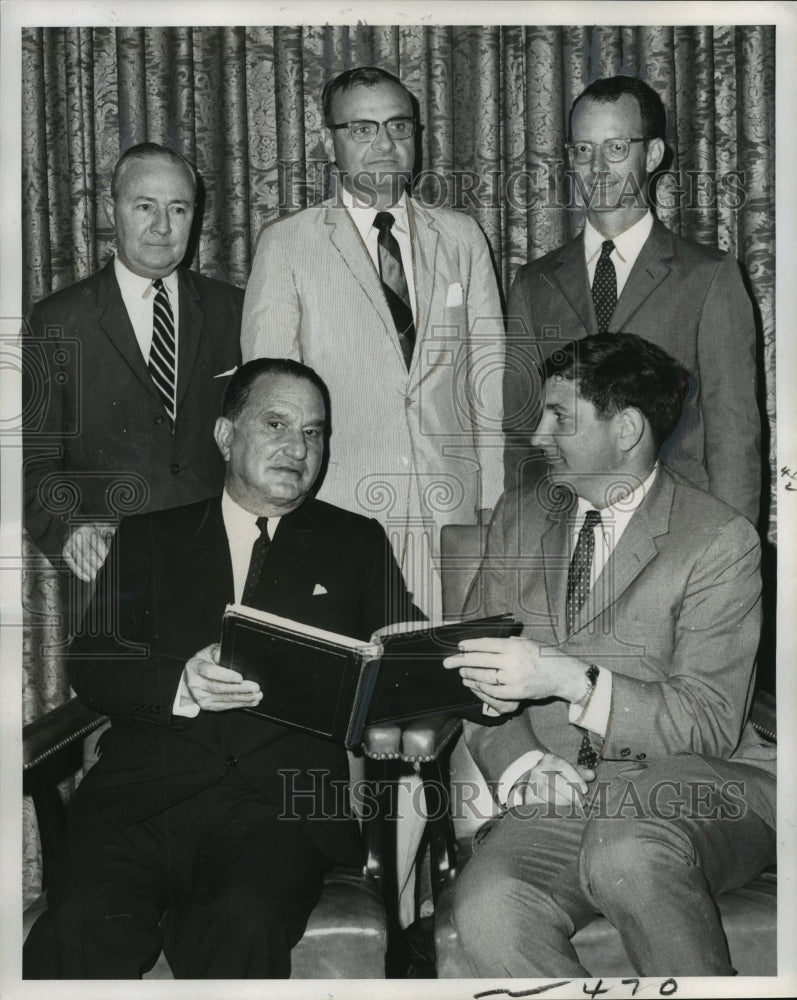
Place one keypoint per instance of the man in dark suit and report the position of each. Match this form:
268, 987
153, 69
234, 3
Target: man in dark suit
121, 372
634, 784
627, 272
189, 807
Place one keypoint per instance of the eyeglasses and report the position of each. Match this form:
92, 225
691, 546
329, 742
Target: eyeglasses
367, 131
614, 150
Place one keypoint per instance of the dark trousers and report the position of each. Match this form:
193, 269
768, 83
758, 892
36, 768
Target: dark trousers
218, 882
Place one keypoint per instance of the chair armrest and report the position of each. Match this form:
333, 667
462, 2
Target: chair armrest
57, 729
423, 740
763, 715
382, 742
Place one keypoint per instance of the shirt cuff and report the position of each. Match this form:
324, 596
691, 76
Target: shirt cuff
188, 711
595, 714
515, 772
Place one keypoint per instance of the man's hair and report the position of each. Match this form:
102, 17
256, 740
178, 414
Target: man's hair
611, 88
147, 151
617, 370
236, 395
366, 76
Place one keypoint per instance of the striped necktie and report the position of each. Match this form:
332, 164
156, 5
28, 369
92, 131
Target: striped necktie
162, 361
394, 284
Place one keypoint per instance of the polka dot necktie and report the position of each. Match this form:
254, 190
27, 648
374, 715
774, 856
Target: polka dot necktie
578, 586
394, 284
604, 287
256, 562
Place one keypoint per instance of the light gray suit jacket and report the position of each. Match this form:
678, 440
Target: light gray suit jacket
688, 299
407, 447
675, 615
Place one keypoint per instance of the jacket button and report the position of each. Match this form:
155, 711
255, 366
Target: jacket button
625, 752
174, 469
159, 418
232, 762
641, 756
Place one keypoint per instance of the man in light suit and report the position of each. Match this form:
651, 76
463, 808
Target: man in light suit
223, 819
687, 298
405, 326
633, 782
102, 438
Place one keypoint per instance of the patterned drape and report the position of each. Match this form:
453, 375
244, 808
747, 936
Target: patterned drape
243, 103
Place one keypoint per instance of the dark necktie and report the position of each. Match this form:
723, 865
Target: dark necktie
162, 366
394, 284
604, 287
258, 557
578, 587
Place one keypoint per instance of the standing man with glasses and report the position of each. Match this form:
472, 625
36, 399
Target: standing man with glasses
396, 306
626, 272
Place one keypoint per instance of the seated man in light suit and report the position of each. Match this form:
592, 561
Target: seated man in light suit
223, 819
633, 782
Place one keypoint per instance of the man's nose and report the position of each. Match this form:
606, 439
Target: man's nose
160, 221
295, 444
383, 141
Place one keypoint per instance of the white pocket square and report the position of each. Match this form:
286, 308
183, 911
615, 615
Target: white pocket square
319, 589
454, 296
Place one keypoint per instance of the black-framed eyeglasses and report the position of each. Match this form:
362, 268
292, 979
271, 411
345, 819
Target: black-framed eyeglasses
614, 150
366, 130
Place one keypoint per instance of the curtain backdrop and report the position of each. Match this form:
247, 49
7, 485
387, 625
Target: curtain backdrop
244, 104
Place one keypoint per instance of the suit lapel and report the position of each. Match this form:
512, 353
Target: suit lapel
571, 277
634, 551
424, 237
191, 320
284, 557
345, 238
115, 324
212, 564
651, 267
556, 560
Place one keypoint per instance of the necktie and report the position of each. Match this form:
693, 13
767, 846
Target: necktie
258, 557
604, 287
578, 586
394, 284
162, 365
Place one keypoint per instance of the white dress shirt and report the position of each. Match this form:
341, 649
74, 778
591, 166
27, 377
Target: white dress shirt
138, 296
363, 218
626, 249
242, 533
594, 714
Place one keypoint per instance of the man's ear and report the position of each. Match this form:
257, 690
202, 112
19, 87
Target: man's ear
631, 428
108, 205
328, 142
655, 154
222, 433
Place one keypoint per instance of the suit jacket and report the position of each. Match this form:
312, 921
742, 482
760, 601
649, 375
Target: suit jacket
164, 587
98, 443
675, 615
407, 445
689, 300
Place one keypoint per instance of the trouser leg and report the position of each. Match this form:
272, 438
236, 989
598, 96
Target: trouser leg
518, 901
656, 870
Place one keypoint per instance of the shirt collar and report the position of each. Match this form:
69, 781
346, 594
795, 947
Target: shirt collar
363, 215
623, 508
627, 244
240, 522
134, 285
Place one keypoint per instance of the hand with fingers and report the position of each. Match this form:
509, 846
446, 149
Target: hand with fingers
552, 781
86, 548
215, 688
506, 671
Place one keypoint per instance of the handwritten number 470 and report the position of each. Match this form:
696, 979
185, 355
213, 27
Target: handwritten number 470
666, 989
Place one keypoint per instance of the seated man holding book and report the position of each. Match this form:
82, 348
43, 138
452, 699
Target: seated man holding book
633, 783
218, 817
